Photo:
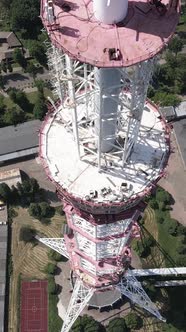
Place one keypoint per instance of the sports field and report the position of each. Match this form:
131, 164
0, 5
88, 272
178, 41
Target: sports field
34, 306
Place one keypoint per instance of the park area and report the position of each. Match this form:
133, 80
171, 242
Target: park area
29, 262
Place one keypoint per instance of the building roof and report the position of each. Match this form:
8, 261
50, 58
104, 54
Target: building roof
180, 132
20, 137
167, 112
11, 38
8, 40
16, 139
181, 110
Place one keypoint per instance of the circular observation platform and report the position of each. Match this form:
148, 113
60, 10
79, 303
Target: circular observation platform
143, 33
115, 188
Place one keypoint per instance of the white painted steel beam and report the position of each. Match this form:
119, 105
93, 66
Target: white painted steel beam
57, 244
174, 271
132, 288
80, 298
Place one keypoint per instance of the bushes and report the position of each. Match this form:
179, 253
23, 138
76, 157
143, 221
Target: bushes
52, 287
41, 211
27, 234
5, 192
171, 226
117, 325
143, 248
50, 268
133, 321
53, 255
86, 324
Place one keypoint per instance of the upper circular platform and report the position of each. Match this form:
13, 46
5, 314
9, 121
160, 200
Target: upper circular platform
145, 30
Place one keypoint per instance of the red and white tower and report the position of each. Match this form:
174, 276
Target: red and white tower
103, 144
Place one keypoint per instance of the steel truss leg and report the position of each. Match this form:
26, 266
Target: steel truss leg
80, 297
132, 288
57, 244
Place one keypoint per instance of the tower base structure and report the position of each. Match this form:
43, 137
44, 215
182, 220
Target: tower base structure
102, 204
84, 295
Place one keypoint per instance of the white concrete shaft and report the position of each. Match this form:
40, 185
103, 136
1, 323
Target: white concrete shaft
110, 11
107, 81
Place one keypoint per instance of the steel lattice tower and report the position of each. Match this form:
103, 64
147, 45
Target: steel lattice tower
103, 144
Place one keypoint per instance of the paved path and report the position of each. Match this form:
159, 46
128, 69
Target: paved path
175, 184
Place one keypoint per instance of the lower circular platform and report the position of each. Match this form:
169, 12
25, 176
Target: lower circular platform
115, 188
105, 298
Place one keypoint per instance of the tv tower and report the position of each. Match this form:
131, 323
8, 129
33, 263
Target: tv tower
103, 144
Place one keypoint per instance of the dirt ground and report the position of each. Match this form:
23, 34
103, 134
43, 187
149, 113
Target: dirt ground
175, 183
28, 260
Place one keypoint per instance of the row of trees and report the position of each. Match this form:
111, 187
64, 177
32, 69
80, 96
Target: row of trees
41, 211
37, 51
22, 110
88, 324
160, 202
169, 79
24, 16
24, 193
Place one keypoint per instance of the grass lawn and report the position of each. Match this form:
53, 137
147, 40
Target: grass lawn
32, 97
54, 321
169, 244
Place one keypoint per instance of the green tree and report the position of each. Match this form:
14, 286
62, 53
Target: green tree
181, 249
22, 100
77, 326
37, 51
117, 325
162, 195
181, 230
171, 226
52, 287
31, 69
153, 203
6, 3
25, 17
151, 290
19, 57
141, 249
50, 268
27, 234
14, 194
40, 107
34, 185
5, 192
40, 85
13, 116
10, 69
175, 45
2, 105
46, 209
166, 99
1, 82
4, 66
89, 324
13, 94
53, 255
35, 210
132, 321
